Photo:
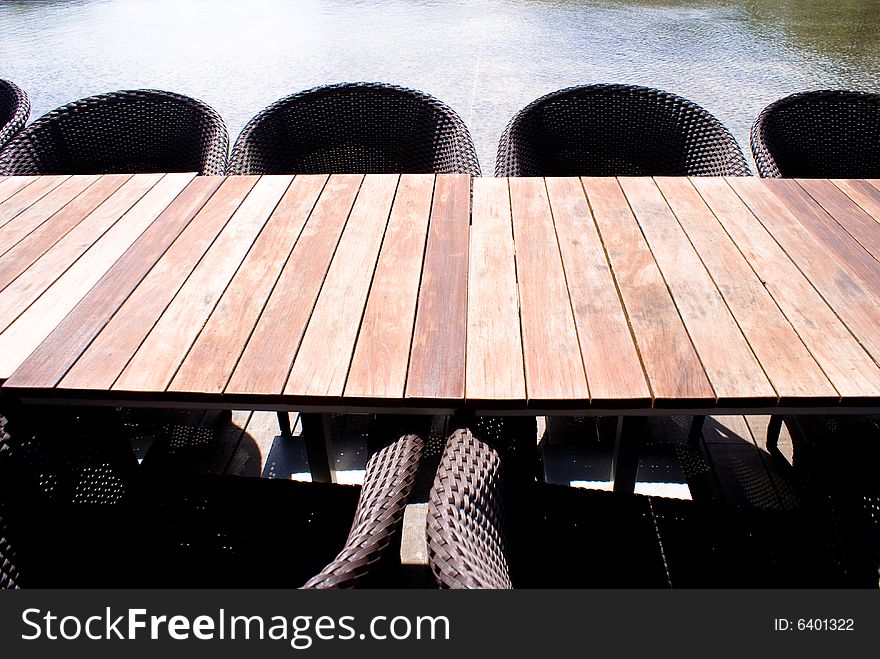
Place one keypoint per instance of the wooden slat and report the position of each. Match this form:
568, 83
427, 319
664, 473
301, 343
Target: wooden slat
611, 361
27, 196
843, 360
437, 358
862, 193
321, 365
20, 293
156, 361
49, 363
212, 359
551, 352
378, 367
268, 356
494, 343
859, 224
26, 333
855, 305
671, 363
113, 347
828, 233
784, 357
9, 185
727, 358
41, 211
22, 255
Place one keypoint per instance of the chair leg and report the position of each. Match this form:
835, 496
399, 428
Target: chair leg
627, 447
316, 432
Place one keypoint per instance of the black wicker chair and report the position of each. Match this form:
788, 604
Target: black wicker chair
355, 128
819, 134
77, 511
14, 110
488, 530
121, 132
617, 130
66, 483
199, 530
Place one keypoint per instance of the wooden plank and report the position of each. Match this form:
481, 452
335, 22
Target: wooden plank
855, 302
783, 356
21, 293
49, 363
857, 223
494, 343
154, 364
43, 210
671, 363
830, 234
9, 185
437, 358
213, 357
26, 333
381, 356
728, 360
28, 196
268, 356
614, 371
848, 367
321, 365
19, 257
113, 347
554, 368
862, 193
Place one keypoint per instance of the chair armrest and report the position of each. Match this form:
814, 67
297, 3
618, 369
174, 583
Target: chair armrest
467, 543
378, 519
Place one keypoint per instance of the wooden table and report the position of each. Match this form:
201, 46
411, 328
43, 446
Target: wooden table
416, 293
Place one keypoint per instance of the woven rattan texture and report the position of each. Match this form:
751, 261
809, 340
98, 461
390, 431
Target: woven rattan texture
378, 521
819, 134
65, 483
466, 537
14, 110
355, 128
617, 130
122, 132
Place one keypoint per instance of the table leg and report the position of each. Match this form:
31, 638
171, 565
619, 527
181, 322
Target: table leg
284, 424
774, 428
696, 432
627, 446
316, 432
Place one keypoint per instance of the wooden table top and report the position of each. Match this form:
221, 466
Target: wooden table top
440, 292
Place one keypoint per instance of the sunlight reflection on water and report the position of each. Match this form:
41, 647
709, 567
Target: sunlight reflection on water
486, 58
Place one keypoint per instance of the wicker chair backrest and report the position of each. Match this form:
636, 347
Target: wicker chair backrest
819, 134
617, 130
122, 132
355, 128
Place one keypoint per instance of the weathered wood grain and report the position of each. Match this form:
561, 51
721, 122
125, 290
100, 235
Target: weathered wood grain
35, 324
437, 357
494, 343
209, 364
381, 356
157, 359
52, 359
783, 356
848, 367
269, 354
322, 362
118, 340
670, 360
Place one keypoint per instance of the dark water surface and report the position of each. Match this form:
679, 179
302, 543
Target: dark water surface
486, 58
